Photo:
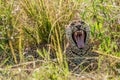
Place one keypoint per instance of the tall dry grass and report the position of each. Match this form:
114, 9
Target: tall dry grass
26, 26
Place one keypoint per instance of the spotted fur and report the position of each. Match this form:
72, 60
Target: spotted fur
79, 57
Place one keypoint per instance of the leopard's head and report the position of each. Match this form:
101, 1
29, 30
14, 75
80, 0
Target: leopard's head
78, 34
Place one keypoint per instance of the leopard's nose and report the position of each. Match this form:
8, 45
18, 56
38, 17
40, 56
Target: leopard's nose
78, 27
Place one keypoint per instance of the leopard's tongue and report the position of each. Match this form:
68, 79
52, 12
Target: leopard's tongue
79, 37
80, 41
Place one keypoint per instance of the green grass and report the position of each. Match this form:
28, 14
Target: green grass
26, 26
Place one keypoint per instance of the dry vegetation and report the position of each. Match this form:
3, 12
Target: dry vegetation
33, 30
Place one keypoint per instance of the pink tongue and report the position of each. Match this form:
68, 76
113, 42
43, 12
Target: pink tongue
80, 42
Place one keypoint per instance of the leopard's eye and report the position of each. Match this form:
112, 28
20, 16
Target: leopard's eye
78, 27
82, 22
72, 24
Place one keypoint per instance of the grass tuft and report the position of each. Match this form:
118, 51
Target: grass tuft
33, 30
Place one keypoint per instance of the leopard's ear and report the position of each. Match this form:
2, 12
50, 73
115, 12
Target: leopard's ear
67, 27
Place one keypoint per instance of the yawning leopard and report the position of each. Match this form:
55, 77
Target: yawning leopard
78, 51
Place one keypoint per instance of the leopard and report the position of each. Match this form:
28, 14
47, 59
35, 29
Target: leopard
78, 51
80, 55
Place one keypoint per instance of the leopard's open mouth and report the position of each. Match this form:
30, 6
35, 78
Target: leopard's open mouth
79, 38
